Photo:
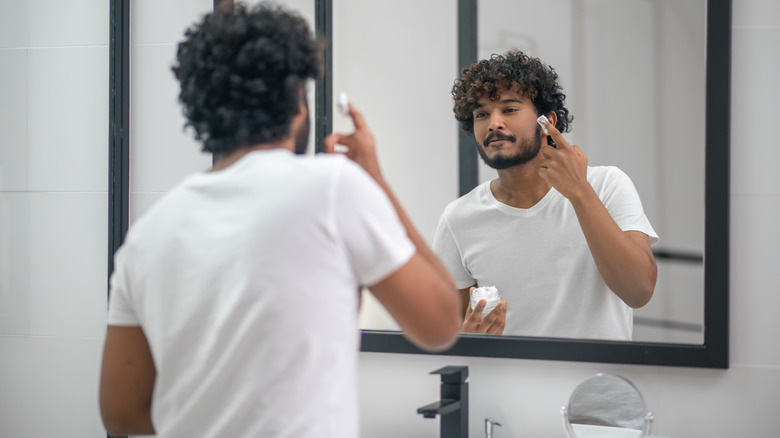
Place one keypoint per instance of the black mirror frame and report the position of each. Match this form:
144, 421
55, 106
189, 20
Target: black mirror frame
713, 353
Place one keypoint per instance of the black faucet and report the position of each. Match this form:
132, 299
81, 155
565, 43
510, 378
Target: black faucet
454, 404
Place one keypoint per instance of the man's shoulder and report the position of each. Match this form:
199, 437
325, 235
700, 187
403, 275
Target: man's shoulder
475, 195
323, 162
465, 203
335, 164
278, 156
601, 175
326, 169
602, 171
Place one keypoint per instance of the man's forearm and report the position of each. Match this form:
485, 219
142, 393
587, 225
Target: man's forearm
625, 263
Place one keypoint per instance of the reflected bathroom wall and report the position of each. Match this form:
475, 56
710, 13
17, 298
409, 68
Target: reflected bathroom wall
399, 74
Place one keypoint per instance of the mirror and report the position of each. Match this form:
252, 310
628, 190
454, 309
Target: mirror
659, 52
436, 57
607, 406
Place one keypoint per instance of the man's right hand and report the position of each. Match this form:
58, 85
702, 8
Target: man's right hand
360, 145
492, 324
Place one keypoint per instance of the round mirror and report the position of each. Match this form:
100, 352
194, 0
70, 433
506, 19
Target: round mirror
606, 406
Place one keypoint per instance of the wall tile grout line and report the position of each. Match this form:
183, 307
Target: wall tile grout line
42, 192
26, 336
755, 366
83, 46
757, 26
755, 195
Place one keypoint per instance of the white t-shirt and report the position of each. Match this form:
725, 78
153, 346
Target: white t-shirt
245, 282
539, 260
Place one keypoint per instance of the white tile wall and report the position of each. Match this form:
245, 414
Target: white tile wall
13, 119
755, 148
755, 13
58, 276
49, 387
755, 279
71, 23
9, 257
68, 119
14, 24
53, 215
43, 23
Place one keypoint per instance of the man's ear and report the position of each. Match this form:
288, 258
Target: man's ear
552, 117
303, 113
303, 100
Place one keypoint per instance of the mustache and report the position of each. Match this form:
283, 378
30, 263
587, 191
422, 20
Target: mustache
498, 135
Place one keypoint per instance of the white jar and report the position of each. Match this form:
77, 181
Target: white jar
487, 293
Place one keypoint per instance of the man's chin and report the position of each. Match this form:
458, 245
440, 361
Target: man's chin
501, 162
500, 165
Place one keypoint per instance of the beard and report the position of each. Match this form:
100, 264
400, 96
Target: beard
529, 149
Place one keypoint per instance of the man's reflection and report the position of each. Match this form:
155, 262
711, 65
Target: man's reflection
566, 244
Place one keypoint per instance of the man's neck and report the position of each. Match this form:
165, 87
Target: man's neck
520, 186
225, 161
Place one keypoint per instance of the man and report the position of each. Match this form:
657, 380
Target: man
234, 300
566, 245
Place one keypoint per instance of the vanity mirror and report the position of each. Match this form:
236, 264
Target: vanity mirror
606, 406
408, 29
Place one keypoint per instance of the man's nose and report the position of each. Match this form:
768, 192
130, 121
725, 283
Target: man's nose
496, 122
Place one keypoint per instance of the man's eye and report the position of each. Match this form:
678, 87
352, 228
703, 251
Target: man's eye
479, 115
510, 110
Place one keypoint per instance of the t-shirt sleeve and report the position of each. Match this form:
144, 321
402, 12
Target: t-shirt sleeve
622, 201
446, 248
374, 237
120, 308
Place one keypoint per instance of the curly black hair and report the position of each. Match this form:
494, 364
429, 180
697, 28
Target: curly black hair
242, 72
516, 71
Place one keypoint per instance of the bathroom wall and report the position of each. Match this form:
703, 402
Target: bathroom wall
53, 213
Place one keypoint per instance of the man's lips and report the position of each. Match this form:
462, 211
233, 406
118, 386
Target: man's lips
494, 139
